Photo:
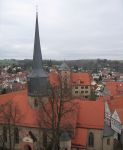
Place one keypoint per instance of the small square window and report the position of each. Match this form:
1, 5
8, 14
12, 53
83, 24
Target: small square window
108, 141
76, 87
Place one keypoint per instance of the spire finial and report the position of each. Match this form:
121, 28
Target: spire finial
36, 9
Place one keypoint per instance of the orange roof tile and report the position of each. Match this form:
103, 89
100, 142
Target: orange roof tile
115, 88
116, 102
80, 138
20, 99
120, 114
53, 78
81, 76
29, 116
91, 114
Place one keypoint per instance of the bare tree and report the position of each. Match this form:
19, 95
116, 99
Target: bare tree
57, 115
10, 116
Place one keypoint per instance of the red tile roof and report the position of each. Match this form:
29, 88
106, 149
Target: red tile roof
116, 102
69, 114
81, 76
53, 78
27, 114
91, 114
80, 139
30, 116
115, 88
120, 114
84, 77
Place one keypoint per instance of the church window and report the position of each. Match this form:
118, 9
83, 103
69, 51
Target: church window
91, 139
108, 141
5, 134
119, 137
16, 135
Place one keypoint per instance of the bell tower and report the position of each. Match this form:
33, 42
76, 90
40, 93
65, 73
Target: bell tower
65, 74
37, 81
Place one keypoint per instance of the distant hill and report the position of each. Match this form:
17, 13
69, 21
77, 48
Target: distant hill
6, 62
85, 64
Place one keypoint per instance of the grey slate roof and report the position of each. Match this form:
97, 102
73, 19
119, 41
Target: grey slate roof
37, 68
107, 131
37, 81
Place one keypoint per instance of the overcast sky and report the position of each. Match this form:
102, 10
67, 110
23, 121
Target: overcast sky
69, 29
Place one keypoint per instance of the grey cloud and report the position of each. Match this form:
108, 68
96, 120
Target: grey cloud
69, 29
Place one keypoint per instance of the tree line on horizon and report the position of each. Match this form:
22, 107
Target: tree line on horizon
92, 65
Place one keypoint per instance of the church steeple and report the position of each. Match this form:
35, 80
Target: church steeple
38, 79
37, 55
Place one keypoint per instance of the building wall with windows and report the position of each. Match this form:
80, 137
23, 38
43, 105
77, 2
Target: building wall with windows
24, 136
108, 143
97, 139
82, 91
34, 138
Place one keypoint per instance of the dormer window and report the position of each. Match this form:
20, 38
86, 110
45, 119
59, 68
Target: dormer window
81, 82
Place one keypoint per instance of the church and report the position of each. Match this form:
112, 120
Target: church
19, 115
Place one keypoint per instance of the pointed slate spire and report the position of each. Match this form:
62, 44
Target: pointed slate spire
37, 68
37, 56
38, 79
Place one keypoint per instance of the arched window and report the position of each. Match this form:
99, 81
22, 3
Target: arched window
91, 139
5, 134
16, 135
